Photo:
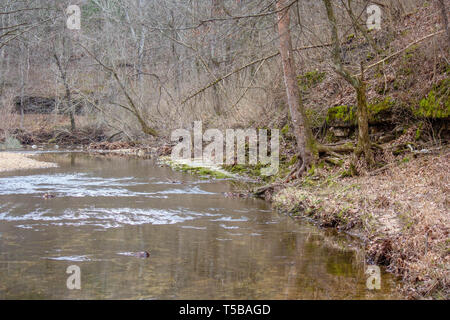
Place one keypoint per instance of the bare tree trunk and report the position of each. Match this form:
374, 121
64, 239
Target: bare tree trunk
22, 91
359, 86
364, 145
215, 55
68, 97
303, 134
444, 18
2, 57
175, 56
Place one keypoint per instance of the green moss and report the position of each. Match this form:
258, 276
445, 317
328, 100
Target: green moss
312, 170
381, 106
309, 181
341, 216
310, 79
419, 131
433, 106
330, 138
237, 168
293, 160
285, 130
345, 114
201, 171
409, 53
409, 61
253, 171
378, 110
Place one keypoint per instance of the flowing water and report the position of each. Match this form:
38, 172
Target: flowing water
202, 245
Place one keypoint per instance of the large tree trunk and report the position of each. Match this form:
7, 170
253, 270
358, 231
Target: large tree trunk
302, 131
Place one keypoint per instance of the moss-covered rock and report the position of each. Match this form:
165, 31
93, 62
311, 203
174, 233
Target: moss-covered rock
201, 171
254, 171
198, 168
380, 111
345, 116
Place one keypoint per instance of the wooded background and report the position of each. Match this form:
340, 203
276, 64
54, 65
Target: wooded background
146, 66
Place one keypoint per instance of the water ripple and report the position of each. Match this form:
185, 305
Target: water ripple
84, 185
101, 217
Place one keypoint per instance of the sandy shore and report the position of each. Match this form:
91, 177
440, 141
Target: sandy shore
17, 161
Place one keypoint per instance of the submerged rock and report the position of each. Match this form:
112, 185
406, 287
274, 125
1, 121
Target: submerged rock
235, 195
174, 181
48, 196
142, 254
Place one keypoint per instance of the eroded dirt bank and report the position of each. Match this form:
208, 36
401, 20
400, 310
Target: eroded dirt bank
402, 215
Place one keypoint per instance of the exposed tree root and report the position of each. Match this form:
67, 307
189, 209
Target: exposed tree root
297, 172
322, 151
301, 167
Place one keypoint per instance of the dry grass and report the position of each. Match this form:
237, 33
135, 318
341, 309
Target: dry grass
402, 214
416, 197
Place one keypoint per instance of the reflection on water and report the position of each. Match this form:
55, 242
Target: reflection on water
202, 245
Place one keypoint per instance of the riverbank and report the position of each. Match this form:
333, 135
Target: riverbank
400, 214
18, 161
107, 208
